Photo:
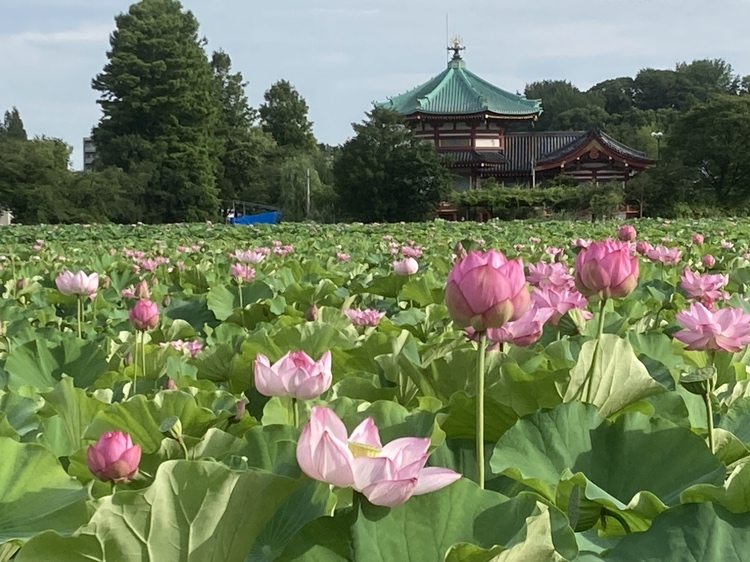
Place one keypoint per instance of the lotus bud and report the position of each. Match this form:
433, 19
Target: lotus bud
20, 283
240, 408
459, 250
166, 301
169, 384
127, 359
312, 313
114, 457
142, 291
106, 281
144, 315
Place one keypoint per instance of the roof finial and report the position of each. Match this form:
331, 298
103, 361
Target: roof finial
456, 46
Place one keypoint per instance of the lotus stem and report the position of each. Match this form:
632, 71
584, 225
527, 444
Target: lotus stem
589, 382
710, 418
79, 315
135, 364
480, 408
242, 305
143, 354
295, 412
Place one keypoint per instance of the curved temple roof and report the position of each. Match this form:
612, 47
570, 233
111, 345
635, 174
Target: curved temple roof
457, 91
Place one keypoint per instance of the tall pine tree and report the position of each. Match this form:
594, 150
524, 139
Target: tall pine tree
284, 115
160, 111
12, 126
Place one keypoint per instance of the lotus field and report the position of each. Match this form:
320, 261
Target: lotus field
429, 392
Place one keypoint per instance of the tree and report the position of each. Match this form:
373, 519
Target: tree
618, 94
12, 126
708, 78
246, 149
284, 116
385, 174
713, 140
557, 97
160, 111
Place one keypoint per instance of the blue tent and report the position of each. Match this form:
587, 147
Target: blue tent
271, 217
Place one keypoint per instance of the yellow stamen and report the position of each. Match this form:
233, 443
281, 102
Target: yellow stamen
362, 450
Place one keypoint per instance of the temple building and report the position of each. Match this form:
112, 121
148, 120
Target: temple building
467, 118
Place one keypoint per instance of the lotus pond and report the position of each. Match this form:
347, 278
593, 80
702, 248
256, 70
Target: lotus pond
247, 394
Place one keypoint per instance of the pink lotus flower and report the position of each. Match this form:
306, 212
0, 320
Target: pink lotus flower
368, 317
78, 284
411, 251
543, 274
705, 329
295, 375
524, 331
708, 261
667, 256
408, 266
341, 256
387, 475
606, 269
241, 272
144, 315
114, 458
626, 233
706, 288
581, 242
192, 347
697, 238
128, 292
486, 290
559, 300
249, 256
642, 247
726, 244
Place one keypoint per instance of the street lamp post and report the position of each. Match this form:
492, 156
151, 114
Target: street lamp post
657, 135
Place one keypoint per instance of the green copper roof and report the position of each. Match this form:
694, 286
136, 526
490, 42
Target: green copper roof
456, 91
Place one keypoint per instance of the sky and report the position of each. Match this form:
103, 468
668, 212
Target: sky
342, 55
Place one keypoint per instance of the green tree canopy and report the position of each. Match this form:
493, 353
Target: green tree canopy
12, 126
713, 141
385, 174
284, 116
160, 111
559, 96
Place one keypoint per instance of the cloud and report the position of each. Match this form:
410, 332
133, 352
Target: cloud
89, 33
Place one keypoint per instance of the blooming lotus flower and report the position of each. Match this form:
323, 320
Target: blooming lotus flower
642, 247
706, 288
242, 272
524, 331
408, 266
726, 244
78, 284
708, 261
606, 269
341, 256
543, 274
697, 238
486, 290
559, 300
387, 475
626, 233
667, 256
411, 251
705, 329
250, 256
295, 375
368, 317
144, 315
114, 458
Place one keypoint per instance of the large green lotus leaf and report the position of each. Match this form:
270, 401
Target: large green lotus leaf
194, 311
424, 528
222, 364
535, 541
313, 500
40, 365
423, 291
737, 420
141, 417
587, 505
19, 413
699, 532
196, 511
223, 300
387, 286
272, 448
461, 420
622, 457
734, 494
36, 494
619, 380
76, 410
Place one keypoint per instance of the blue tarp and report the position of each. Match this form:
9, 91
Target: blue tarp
272, 217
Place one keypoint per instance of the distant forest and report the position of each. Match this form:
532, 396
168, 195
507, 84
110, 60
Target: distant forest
186, 142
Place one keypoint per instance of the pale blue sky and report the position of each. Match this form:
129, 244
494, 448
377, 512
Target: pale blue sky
343, 54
